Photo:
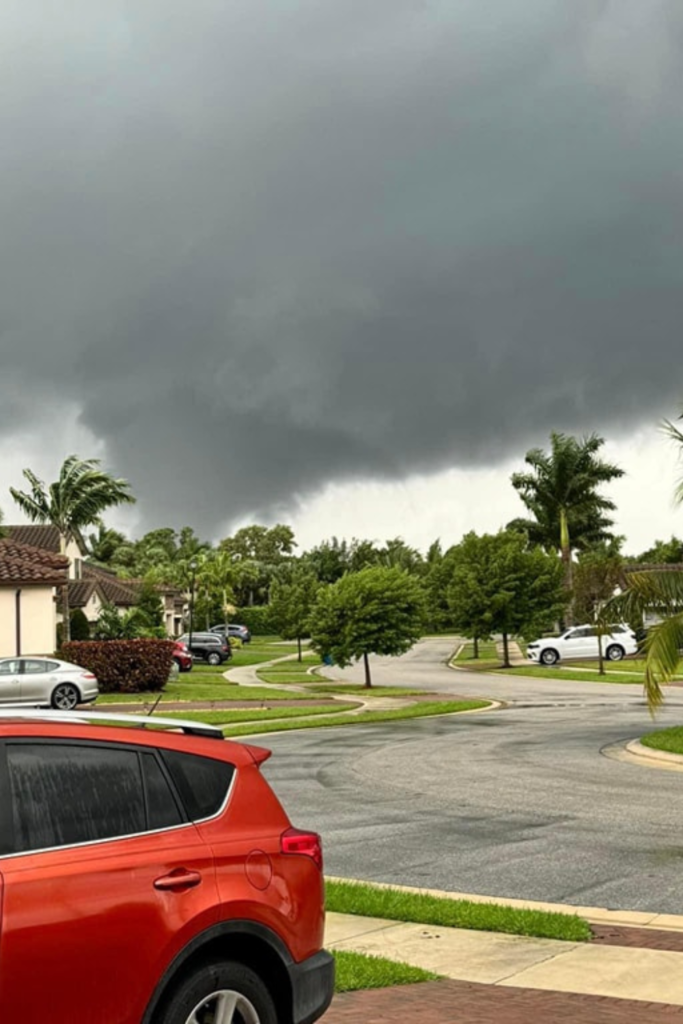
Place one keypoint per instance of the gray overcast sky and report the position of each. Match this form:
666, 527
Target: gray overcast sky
262, 248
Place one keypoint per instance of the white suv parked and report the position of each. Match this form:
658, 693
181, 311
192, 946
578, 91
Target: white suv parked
582, 642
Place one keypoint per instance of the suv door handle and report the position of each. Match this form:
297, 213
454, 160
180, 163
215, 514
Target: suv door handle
179, 879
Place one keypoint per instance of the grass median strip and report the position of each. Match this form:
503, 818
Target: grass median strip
362, 691
420, 908
274, 676
670, 740
226, 716
216, 689
356, 971
577, 674
364, 718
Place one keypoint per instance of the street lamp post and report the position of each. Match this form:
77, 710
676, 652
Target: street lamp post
193, 571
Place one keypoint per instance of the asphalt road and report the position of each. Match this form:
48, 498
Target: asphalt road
518, 802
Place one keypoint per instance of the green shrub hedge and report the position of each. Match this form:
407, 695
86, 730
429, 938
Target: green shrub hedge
258, 619
123, 666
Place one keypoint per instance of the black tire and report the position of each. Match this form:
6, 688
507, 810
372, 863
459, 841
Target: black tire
549, 656
180, 666
214, 658
65, 697
615, 652
194, 999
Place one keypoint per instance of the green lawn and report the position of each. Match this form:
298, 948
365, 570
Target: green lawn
208, 686
226, 716
361, 691
293, 678
424, 710
670, 740
394, 905
632, 666
540, 672
355, 971
487, 660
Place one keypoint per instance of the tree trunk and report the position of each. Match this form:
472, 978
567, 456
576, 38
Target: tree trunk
476, 646
298, 640
66, 616
601, 656
368, 680
566, 549
506, 652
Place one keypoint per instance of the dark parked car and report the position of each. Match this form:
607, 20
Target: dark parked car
170, 834
241, 632
210, 647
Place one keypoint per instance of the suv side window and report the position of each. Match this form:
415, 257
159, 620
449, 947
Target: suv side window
63, 794
162, 809
203, 783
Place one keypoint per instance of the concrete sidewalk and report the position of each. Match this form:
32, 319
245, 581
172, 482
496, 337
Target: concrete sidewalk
626, 972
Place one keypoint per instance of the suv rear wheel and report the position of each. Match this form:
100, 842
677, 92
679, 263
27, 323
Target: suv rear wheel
615, 652
214, 659
219, 993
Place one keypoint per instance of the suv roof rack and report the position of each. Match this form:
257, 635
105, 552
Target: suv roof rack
186, 726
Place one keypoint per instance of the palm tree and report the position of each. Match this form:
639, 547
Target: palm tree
659, 591
672, 431
74, 502
562, 494
103, 545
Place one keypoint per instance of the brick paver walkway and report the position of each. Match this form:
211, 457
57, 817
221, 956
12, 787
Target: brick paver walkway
456, 1002
643, 938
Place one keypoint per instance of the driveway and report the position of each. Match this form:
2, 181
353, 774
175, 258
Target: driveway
519, 802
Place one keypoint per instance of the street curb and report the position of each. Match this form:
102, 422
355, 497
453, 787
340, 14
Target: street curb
640, 751
594, 915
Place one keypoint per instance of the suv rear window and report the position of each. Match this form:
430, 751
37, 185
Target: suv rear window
203, 783
64, 794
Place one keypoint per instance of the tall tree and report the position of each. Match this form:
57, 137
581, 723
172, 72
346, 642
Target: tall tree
292, 601
330, 560
74, 502
375, 611
662, 552
562, 492
501, 584
597, 574
104, 544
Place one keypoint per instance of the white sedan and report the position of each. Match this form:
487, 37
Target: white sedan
582, 642
46, 682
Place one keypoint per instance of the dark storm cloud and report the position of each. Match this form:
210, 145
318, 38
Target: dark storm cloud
263, 245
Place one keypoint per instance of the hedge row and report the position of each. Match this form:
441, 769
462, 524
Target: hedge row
123, 666
258, 619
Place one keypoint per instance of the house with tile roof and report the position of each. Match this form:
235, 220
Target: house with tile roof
30, 579
98, 586
91, 586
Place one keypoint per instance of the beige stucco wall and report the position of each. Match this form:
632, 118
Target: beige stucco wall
93, 608
38, 620
73, 553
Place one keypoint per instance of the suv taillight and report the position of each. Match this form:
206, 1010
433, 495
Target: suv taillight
305, 844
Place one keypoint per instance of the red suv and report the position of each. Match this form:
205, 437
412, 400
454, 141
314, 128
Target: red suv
152, 877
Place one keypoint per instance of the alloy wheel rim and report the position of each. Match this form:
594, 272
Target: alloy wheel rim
65, 699
224, 1007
